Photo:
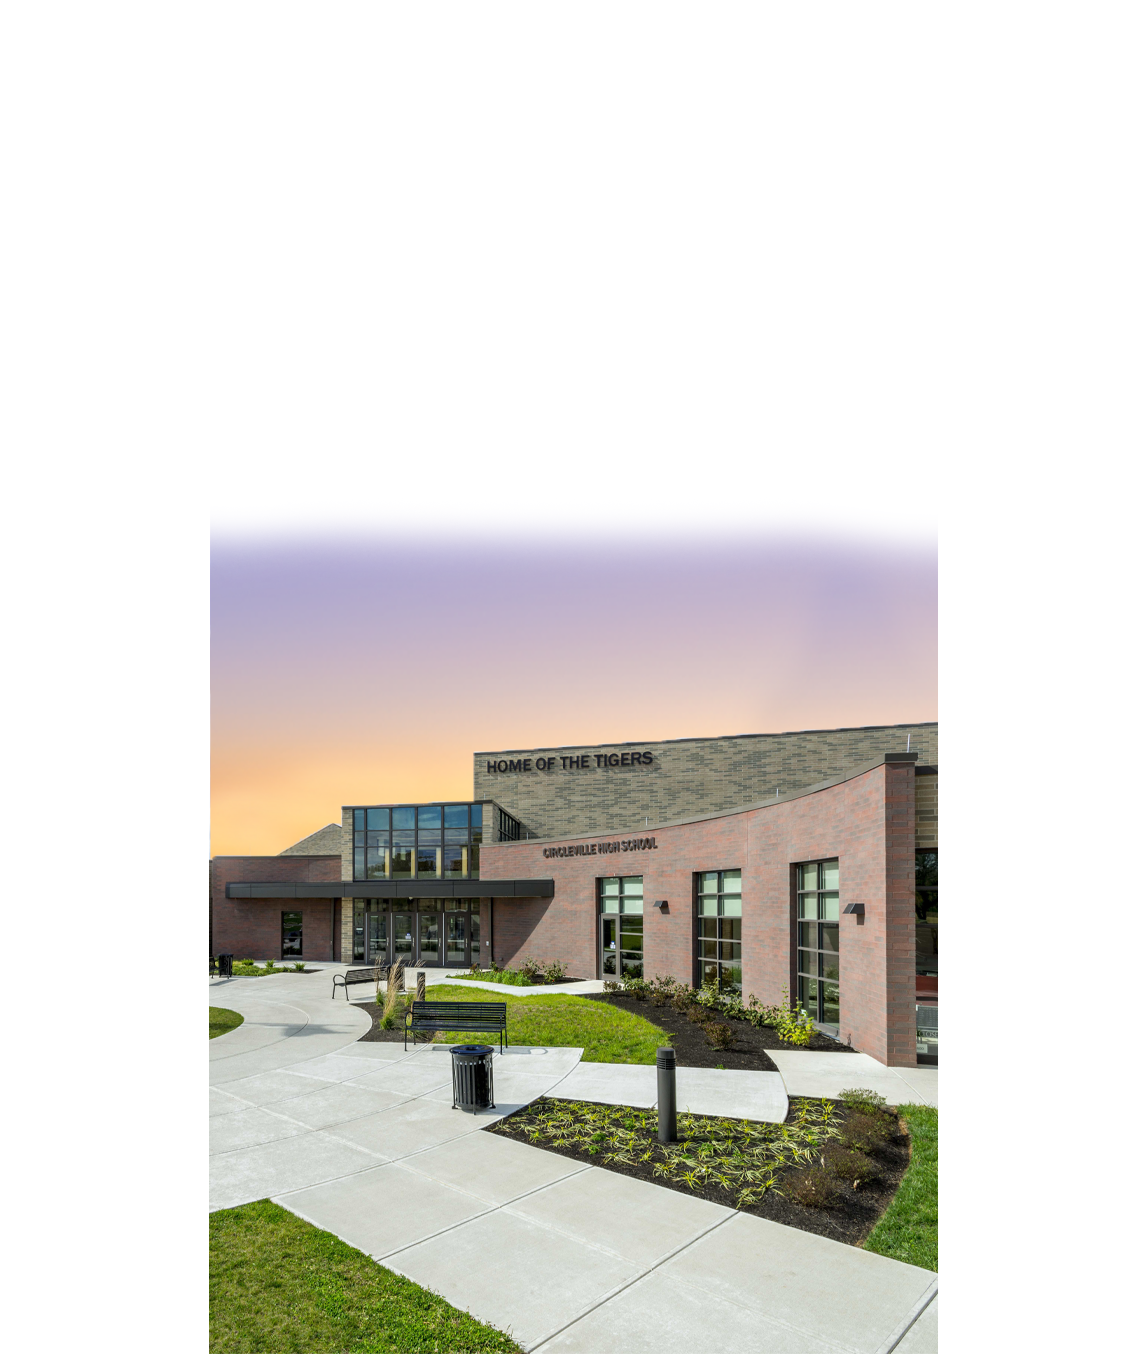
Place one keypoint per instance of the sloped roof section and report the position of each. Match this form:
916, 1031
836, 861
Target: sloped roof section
327, 841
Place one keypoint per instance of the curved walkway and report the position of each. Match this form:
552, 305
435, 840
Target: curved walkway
360, 1139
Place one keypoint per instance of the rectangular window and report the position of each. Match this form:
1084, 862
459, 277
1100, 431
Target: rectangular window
292, 935
359, 928
621, 903
718, 911
818, 940
400, 841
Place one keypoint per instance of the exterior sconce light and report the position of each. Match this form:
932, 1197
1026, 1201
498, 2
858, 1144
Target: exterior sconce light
662, 904
855, 910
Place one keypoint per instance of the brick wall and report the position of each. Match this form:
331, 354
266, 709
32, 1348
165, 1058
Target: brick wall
252, 928
868, 821
687, 776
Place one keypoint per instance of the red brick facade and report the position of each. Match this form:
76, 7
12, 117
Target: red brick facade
253, 929
868, 822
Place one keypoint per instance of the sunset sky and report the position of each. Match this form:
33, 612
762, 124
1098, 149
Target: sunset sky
367, 670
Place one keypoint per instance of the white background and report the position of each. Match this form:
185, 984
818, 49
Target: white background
857, 270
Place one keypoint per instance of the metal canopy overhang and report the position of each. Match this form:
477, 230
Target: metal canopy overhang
387, 888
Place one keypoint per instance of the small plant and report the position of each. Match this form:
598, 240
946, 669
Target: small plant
719, 1035
270, 967
814, 1188
855, 1098
389, 1000
554, 972
299, 968
682, 1002
611, 987
864, 1130
848, 1165
697, 1014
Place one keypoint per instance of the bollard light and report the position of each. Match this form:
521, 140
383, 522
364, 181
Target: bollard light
666, 1095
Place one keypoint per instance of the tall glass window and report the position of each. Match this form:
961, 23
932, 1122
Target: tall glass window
818, 940
621, 903
292, 935
718, 929
927, 914
418, 841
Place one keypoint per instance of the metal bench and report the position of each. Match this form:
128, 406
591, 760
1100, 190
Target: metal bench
470, 1017
356, 975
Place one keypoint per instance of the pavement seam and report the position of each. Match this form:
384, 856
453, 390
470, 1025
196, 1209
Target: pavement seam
621, 1288
931, 1293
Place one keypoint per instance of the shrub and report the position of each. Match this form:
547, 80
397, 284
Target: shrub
848, 1165
612, 987
719, 1034
529, 969
814, 1188
637, 988
865, 1131
855, 1098
682, 1002
697, 1014
555, 971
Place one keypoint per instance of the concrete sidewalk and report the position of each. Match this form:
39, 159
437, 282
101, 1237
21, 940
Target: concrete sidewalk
360, 1139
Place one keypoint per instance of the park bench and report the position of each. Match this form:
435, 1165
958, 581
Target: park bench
472, 1017
356, 975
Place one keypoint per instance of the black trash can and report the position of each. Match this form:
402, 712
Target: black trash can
473, 1077
225, 962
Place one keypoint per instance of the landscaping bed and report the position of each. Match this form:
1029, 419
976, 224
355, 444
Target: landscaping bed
508, 977
751, 1041
763, 1169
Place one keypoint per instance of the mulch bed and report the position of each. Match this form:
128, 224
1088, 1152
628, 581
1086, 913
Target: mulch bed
749, 1052
850, 1223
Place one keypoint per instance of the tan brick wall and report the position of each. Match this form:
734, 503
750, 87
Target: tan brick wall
687, 777
927, 812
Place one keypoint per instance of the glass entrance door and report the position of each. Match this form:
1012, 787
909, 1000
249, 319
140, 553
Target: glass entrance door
609, 955
403, 937
457, 940
429, 938
376, 934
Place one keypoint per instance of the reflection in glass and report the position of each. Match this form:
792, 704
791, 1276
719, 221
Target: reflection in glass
292, 935
377, 818
402, 862
428, 937
429, 862
452, 862
456, 937
359, 819
831, 874
807, 905
402, 818
376, 862
830, 906
429, 816
457, 815
403, 936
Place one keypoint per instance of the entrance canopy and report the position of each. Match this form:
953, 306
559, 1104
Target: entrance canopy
389, 888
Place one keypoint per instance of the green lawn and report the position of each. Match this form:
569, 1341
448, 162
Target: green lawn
278, 1284
909, 1230
607, 1034
223, 1020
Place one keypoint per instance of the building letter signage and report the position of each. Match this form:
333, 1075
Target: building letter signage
601, 848
589, 761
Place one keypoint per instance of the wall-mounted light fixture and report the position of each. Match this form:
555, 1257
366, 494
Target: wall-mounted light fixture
855, 910
662, 903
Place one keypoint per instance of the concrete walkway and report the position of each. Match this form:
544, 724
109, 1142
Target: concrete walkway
360, 1139
807, 1073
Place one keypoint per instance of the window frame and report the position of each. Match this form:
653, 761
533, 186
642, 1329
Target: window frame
721, 893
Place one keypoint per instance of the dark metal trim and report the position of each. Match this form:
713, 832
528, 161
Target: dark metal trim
388, 888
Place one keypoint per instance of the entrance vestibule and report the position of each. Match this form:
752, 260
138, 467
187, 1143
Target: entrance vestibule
439, 933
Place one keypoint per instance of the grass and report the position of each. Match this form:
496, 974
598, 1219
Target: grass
909, 1230
278, 1284
607, 1034
223, 1020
